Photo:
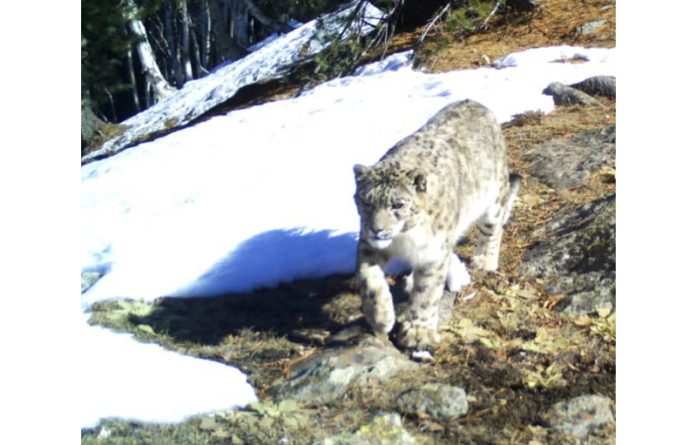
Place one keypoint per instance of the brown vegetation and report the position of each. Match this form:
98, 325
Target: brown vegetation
505, 344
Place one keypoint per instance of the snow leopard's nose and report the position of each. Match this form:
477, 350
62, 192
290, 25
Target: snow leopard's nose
380, 239
380, 226
380, 234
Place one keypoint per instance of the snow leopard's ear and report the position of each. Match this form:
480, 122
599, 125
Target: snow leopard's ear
360, 171
418, 178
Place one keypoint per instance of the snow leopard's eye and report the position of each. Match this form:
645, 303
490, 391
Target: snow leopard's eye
397, 205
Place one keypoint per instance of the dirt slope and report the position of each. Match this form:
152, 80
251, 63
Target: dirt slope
510, 341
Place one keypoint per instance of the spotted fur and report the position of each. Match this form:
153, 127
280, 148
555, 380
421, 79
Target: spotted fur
418, 201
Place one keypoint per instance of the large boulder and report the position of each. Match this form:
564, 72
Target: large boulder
597, 86
565, 95
327, 375
565, 164
580, 415
575, 256
582, 92
435, 400
589, 27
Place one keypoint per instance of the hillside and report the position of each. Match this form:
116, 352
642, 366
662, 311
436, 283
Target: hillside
532, 346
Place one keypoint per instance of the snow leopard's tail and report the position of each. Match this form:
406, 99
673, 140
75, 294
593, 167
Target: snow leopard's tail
514, 182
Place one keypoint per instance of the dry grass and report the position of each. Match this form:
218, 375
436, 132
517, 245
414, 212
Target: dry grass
512, 352
537, 202
444, 51
555, 24
507, 346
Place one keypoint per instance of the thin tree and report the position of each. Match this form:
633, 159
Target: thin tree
160, 87
185, 39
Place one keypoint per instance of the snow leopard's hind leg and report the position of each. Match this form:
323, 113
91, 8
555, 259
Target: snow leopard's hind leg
457, 276
490, 226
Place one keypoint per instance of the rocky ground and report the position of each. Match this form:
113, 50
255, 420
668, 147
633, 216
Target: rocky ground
529, 352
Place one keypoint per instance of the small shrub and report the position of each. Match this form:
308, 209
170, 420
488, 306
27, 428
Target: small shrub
468, 15
338, 59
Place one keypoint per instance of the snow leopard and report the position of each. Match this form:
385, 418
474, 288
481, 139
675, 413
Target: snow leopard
417, 202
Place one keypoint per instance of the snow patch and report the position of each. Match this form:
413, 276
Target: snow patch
208, 210
258, 197
153, 384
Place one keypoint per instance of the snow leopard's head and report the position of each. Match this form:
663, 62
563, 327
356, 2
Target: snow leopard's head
390, 201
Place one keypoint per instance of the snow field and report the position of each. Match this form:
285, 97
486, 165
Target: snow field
257, 197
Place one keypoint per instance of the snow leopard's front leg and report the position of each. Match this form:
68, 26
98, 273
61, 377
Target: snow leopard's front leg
377, 304
419, 329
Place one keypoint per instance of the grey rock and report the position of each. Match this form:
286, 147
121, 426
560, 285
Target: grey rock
504, 62
597, 86
588, 27
327, 375
565, 95
580, 415
385, 429
88, 280
438, 401
566, 164
575, 255
90, 124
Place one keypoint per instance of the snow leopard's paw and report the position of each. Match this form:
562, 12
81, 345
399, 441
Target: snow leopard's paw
418, 337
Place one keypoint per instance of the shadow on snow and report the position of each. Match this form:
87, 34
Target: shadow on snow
269, 257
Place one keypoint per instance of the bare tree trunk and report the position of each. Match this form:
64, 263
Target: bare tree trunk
148, 63
198, 67
148, 94
240, 23
133, 82
259, 15
172, 46
225, 46
185, 40
160, 43
112, 107
205, 34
